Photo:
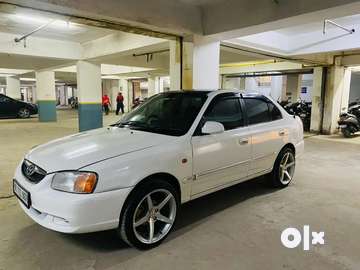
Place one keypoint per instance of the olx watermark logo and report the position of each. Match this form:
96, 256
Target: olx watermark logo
292, 238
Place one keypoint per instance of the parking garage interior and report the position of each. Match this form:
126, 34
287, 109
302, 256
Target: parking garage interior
65, 56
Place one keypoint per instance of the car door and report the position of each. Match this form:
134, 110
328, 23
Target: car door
267, 130
6, 106
221, 158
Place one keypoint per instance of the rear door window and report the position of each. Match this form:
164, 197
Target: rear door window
261, 111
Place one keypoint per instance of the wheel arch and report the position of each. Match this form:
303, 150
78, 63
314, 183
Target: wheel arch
291, 146
161, 175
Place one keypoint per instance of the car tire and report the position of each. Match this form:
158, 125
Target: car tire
24, 113
284, 168
145, 224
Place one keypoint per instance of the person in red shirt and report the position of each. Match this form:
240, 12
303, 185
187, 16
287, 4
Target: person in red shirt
106, 103
119, 103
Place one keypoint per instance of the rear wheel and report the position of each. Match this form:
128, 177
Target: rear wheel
24, 113
149, 215
284, 168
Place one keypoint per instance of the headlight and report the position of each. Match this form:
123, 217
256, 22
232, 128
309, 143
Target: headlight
75, 182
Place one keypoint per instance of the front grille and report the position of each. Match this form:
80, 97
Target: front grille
32, 172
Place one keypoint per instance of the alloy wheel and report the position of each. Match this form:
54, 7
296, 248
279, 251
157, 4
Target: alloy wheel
154, 216
287, 168
24, 113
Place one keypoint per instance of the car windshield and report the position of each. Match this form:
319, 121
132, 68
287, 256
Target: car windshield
170, 113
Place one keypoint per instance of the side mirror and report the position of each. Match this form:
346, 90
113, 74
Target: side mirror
211, 127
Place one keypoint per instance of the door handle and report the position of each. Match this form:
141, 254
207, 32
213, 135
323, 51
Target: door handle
243, 141
282, 132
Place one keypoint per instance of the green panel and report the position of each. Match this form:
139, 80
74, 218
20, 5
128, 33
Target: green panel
47, 110
90, 116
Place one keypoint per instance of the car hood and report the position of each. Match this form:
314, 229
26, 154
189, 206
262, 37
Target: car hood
79, 150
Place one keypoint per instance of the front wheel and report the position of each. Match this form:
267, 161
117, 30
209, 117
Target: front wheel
284, 168
24, 113
149, 214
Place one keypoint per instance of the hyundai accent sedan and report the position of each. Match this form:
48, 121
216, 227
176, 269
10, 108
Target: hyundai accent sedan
175, 147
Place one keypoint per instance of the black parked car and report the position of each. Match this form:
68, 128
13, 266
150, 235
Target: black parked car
15, 108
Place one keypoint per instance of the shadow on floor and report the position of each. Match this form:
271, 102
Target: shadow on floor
191, 215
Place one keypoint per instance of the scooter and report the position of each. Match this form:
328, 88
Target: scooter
349, 122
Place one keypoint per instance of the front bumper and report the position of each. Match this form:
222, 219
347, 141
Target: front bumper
72, 213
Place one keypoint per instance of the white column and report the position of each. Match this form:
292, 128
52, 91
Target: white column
276, 87
157, 85
316, 100
175, 65
294, 86
89, 94
151, 86
33, 91
206, 57
46, 95
13, 87
124, 89
111, 88
337, 88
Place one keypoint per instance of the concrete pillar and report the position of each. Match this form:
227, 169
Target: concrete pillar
46, 95
187, 73
231, 83
124, 89
336, 97
315, 124
175, 65
242, 83
276, 87
206, 57
111, 88
283, 89
89, 94
151, 86
33, 91
250, 84
293, 88
13, 87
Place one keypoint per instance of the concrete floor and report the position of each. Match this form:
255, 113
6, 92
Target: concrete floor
237, 228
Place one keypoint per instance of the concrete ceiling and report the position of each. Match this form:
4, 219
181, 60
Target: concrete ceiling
182, 17
21, 24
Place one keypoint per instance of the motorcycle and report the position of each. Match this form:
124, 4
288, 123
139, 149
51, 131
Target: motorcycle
301, 109
349, 122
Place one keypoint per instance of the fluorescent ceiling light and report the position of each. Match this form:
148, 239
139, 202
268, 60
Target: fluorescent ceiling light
58, 24
28, 79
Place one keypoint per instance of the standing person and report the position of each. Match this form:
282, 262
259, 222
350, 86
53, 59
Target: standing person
119, 103
106, 103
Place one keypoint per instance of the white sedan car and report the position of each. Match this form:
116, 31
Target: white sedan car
177, 146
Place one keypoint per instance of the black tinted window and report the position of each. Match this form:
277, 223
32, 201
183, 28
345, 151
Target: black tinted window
260, 111
274, 112
257, 111
4, 99
225, 110
170, 113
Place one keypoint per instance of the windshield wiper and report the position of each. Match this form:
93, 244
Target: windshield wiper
131, 124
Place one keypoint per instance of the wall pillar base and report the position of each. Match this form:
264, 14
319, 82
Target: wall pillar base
90, 116
47, 110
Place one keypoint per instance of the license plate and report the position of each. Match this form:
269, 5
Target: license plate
22, 194
342, 126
